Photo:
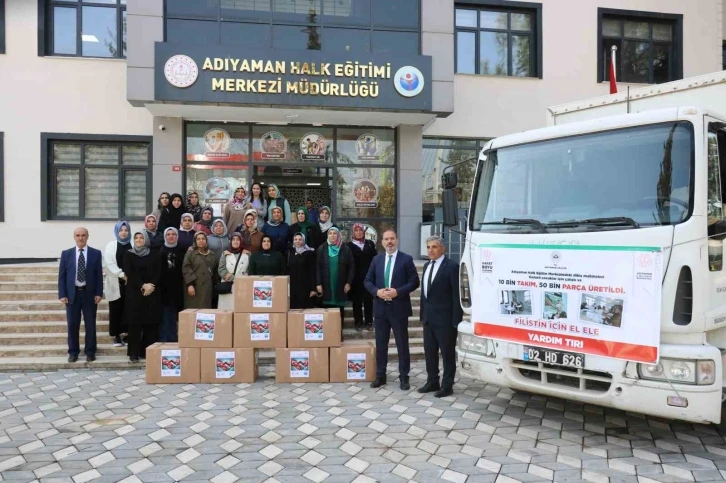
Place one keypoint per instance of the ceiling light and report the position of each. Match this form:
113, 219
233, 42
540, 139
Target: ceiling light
89, 38
313, 184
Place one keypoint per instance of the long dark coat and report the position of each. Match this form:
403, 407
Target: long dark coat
363, 259
346, 273
302, 278
172, 281
201, 271
140, 310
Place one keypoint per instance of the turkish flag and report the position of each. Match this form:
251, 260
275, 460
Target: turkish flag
613, 80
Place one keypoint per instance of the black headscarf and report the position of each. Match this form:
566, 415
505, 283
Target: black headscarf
171, 216
262, 250
207, 223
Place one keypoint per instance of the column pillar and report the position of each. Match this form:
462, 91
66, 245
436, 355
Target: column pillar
410, 188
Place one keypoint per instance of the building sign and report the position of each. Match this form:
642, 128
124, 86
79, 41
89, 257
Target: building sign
231, 75
217, 142
365, 193
273, 145
368, 148
578, 300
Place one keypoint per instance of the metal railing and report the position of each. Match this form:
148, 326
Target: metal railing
454, 241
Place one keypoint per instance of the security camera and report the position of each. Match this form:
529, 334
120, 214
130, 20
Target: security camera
162, 127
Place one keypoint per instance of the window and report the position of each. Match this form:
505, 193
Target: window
504, 38
96, 177
2, 26
649, 46
716, 188
82, 28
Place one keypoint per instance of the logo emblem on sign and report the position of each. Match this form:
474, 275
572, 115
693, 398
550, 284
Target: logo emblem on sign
367, 147
556, 258
408, 81
217, 142
181, 71
273, 145
312, 147
645, 260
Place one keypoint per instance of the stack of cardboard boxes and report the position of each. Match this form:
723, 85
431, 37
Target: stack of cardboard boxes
220, 346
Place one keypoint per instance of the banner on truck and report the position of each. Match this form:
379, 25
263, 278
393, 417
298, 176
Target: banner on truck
598, 300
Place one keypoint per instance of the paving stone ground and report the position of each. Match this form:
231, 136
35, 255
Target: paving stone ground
78, 426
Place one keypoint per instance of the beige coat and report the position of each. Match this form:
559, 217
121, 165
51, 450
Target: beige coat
201, 271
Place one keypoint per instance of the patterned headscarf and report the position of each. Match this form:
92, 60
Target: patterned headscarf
146, 224
304, 248
360, 242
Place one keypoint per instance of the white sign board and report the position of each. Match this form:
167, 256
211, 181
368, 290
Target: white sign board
599, 300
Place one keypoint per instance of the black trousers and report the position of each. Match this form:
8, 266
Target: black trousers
383, 327
83, 303
116, 321
360, 302
440, 338
141, 337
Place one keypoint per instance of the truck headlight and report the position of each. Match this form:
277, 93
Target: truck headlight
480, 345
682, 371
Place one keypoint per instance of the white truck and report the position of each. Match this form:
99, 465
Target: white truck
610, 224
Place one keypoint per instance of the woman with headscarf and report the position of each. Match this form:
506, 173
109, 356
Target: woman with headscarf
153, 234
218, 241
275, 199
172, 285
142, 310
301, 268
303, 225
200, 274
235, 209
277, 229
161, 203
114, 287
363, 251
266, 261
171, 215
251, 236
205, 224
234, 263
193, 206
186, 231
335, 272
259, 203
325, 223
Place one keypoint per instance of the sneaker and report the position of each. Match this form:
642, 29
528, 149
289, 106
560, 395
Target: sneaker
125, 339
117, 341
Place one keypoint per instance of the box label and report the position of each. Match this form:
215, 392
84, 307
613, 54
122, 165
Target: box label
262, 293
171, 363
300, 364
314, 327
224, 362
259, 326
356, 366
204, 327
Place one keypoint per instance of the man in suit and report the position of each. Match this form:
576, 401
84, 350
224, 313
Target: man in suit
440, 315
390, 279
80, 288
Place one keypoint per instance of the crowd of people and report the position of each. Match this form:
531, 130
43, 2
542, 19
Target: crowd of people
186, 258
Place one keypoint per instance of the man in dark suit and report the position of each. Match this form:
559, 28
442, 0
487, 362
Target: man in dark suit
80, 288
440, 314
390, 279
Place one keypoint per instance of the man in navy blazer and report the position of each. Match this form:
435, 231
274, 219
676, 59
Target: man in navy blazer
390, 279
80, 288
440, 315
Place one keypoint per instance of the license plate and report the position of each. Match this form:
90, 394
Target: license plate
559, 358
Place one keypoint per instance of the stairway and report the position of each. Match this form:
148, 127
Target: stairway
33, 325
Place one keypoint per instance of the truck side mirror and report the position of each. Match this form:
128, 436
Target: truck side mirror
450, 207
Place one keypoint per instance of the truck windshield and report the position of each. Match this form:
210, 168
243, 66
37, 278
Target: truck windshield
622, 179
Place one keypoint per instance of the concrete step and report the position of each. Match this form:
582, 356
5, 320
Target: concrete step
42, 315
28, 295
28, 286
21, 276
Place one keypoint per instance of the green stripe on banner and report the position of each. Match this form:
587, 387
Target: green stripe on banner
571, 247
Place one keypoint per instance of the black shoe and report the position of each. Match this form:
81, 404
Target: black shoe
72, 358
380, 381
117, 341
405, 386
134, 359
369, 326
444, 392
125, 339
359, 328
430, 386
90, 358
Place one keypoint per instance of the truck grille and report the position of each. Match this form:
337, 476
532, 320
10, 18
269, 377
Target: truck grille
581, 379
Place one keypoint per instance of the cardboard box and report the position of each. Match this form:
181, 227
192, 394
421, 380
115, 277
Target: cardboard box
167, 363
205, 328
353, 361
228, 366
261, 295
302, 365
313, 328
260, 330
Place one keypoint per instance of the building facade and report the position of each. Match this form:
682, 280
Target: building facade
355, 104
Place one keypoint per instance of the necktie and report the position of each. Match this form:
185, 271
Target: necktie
81, 267
387, 274
431, 278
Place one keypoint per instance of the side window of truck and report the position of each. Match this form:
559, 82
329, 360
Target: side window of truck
715, 204
716, 191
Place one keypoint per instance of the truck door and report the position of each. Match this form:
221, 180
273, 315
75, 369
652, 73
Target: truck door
716, 153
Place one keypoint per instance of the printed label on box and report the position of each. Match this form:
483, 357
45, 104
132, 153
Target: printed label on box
204, 327
259, 326
314, 327
300, 364
171, 363
356, 366
262, 293
225, 365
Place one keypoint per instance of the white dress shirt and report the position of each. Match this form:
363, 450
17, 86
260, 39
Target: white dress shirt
433, 265
85, 255
393, 264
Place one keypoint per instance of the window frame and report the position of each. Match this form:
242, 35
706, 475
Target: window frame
47, 169
45, 26
2, 176
676, 20
2, 28
508, 6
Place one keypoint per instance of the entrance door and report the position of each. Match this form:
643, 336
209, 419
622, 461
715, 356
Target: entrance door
298, 183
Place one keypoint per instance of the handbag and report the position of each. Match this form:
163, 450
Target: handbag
225, 287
